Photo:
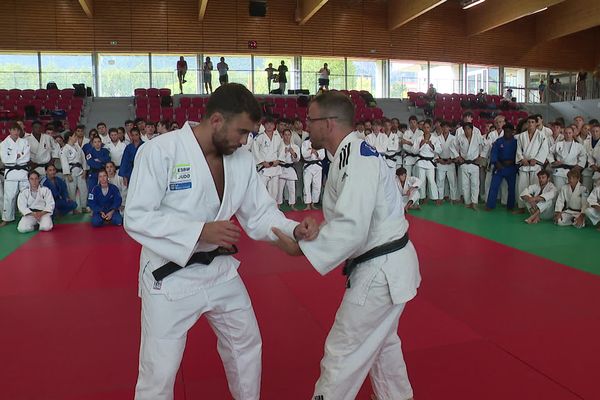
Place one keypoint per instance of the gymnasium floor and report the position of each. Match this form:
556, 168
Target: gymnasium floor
505, 311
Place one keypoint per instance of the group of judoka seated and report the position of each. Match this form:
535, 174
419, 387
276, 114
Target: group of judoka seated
79, 173
549, 172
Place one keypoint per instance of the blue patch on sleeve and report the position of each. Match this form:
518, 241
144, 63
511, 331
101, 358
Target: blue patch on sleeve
367, 150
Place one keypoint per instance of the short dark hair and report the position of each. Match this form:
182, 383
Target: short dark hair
16, 126
111, 130
467, 114
99, 124
508, 127
68, 135
336, 103
33, 172
233, 99
467, 125
574, 173
443, 123
401, 171
80, 126
544, 172
50, 165
412, 118
532, 117
128, 122
135, 129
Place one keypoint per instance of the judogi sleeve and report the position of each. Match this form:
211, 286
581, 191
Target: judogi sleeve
22, 203
551, 152
86, 167
64, 162
494, 156
4, 155
117, 197
26, 157
519, 156
561, 199
93, 201
49, 200
550, 194
593, 198
582, 157
168, 234
528, 191
259, 213
348, 226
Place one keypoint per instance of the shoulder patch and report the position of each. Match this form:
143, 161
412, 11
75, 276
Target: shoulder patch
367, 150
344, 156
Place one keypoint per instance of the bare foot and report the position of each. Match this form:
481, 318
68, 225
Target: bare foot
415, 207
468, 206
438, 202
293, 207
455, 202
3, 223
488, 209
475, 207
529, 220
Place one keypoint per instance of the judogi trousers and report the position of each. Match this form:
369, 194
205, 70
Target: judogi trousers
291, 187
593, 215
507, 175
470, 183
272, 184
28, 223
364, 339
165, 324
546, 209
313, 179
526, 178
447, 171
78, 184
11, 192
567, 218
427, 177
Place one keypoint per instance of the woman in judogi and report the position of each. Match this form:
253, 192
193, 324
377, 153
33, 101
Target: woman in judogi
36, 204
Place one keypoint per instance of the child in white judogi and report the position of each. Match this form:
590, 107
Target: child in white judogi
532, 152
564, 156
266, 151
409, 188
593, 210
427, 147
410, 158
571, 202
313, 173
74, 167
36, 203
469, 147
592, 150
446, 169
539, 198
289, 155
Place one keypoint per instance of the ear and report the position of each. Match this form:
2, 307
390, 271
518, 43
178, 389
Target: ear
216, 120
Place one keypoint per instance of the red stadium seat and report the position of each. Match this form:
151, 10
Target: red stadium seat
140, 92
197, 101
67, 93
153, 92
167, 113
185, 102
164, 92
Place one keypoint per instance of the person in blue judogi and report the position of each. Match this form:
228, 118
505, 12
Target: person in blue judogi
104, 200
96, 158
502, 159
126, 167
58, 187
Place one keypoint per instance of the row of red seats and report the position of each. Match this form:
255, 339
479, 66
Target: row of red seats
49, 104
40, 94
151, 92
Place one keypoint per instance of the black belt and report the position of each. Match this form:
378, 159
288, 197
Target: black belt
391, 157
76, 165
430, 159
469, 162
564, 166
411, 154
43, 165
375, 252
290, 165
313, 162
262, 167
574, 209
15, 167
197, 258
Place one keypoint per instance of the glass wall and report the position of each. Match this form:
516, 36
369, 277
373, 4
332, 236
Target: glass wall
67, 69
164, 72
19, 71
446, 77
514, 78
366, 75
240, 69
407, 76
483, 77
119, 75
260, 76
310, 73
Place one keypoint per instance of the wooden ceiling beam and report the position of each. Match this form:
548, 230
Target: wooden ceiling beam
401, 12
88, 7
493, 14
202, 9
566, 18
308, 8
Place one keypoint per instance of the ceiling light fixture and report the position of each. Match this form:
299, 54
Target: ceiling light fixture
540, 10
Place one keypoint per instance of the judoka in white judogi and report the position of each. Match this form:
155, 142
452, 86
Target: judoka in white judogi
313, 172
289, 155
532, 152
14, 153
564, 156
469, 151
593, 209
74, 166
571, 203
266, 152
541, 199
41, 150
427, 149
36, 204
446, 169
172, 201
409, 190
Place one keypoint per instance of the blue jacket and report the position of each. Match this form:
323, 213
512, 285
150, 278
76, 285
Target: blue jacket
97, 159
58, 189
126, 167
98, 202
503, 150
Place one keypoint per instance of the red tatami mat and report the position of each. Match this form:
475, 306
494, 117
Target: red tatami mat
490, 322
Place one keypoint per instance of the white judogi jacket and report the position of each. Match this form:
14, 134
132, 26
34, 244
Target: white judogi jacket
286, 158
460, 131
373, 140
105, 139
40, 200
249, 142
568, 153
42, 151
172, 195
307, 154
571, 201
362, 209
552, 141
488, 142
72, 155
593, 155
536, 148
411, 182
298, 137
360, 135
469, 150
390, 144
116, 151
426, 150
117, 180
267, 150
409, 158
13, 153
548, 193
447, 147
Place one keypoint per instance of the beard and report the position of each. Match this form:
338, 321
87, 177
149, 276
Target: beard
219, 139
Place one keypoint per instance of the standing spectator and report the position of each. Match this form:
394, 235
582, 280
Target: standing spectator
36, 204
324, 77
281, 72
581, 85
129, 155
42, 148
502, 163
270, 73
181, 71
15, 155
289, 155
542, 91
207, 68
60, 193
222, 67
105, 201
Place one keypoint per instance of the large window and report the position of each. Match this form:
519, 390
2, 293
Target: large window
366, 75
483, 77
164, 72
514, 78
67, 69
19, 71
240, 69
407, 76
445, 77
119, 75
310, 73
535, 80
260, 76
